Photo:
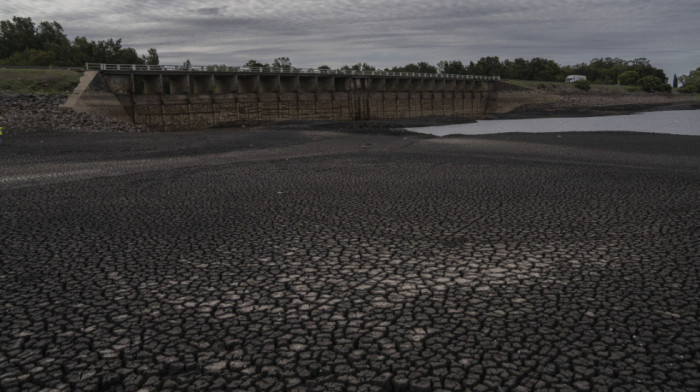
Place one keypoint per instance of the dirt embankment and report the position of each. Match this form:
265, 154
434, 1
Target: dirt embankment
563, 100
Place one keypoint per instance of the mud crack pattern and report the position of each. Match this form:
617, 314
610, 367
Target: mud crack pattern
410, 265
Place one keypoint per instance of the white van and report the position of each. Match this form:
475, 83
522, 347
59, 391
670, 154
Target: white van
573, 78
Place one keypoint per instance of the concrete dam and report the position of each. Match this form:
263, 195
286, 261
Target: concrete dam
174, 98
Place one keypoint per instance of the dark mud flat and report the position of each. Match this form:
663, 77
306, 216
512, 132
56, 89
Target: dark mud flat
275, 260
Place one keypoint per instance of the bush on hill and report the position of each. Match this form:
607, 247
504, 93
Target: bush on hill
691, 82
584, 84
24, 43
653, 84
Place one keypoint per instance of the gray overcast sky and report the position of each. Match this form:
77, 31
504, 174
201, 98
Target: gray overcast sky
385, 33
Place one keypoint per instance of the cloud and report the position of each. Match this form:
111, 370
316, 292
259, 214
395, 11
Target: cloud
385, 32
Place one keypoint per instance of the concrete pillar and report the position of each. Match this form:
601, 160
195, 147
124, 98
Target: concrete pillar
179, 84
416, 84
203, 84
428, 85
391, 84
376, 84
309, 84
248, 84
341, 84
270, 84
289, 83
403, 85
225, 84
119, 83
153, 84
439, 84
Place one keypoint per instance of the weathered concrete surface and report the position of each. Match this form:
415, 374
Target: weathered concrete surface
329, 261
177, 100
93, 95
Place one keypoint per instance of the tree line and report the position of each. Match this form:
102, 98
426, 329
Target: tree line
637, 72
24, 43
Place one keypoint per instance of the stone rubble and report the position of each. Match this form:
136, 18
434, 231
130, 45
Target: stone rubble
34, 113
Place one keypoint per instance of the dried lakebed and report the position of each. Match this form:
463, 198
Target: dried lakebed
292, 260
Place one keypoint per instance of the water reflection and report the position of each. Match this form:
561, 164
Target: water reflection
677, 122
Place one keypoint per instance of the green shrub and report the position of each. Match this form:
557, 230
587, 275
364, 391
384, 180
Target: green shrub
691, 82
584, 84
652, 84
690, 88
628, 78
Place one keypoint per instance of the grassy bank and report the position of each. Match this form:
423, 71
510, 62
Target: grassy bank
38, 81
539, 85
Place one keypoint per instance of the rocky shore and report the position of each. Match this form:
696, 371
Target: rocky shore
41, 113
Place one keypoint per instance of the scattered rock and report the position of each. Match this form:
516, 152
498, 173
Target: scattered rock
41, 113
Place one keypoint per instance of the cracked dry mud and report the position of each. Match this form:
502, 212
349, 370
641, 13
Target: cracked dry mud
291, 261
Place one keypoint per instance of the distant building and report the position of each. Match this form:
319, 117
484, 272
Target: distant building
573, 78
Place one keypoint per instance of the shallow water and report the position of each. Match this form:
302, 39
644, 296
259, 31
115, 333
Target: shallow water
676, 122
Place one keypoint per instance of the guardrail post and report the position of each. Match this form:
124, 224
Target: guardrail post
284, 70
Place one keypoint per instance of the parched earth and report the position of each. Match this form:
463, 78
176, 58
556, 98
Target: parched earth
276, 260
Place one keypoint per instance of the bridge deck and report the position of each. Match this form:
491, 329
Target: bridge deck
291, 71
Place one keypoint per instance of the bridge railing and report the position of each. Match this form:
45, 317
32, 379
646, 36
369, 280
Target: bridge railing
273, 70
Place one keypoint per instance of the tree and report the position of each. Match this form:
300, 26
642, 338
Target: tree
543, 69
691, 82
108, 51
254, 64
486, 66
421, 67
644, 68
282, 63
516, 69
628, 78
49, 36
453, 67
359, 67
608, 70
652, 84
187, 64
17, 36
424, 67
23, 43
151, 58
